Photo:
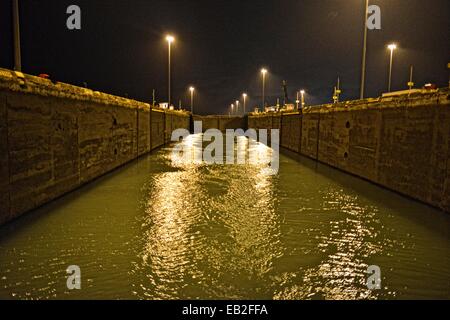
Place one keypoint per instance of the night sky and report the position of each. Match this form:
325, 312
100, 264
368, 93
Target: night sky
222, 45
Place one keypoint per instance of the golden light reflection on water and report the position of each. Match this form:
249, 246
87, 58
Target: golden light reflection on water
342, 274
221, 231
167, 229
215, 226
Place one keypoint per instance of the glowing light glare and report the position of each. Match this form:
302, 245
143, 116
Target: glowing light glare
263, 71
302, 91
191, 89
244, 95
170, 39
392, 46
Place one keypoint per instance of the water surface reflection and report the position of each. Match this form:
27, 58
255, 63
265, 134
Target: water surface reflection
165, 229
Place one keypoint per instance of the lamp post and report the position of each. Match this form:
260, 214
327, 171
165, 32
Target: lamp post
16, 28
232, 109
191, 90
170, 39
244, 96
391, 47
363, 63
237, 107
303, 98
337, 91
297, 101
263, 72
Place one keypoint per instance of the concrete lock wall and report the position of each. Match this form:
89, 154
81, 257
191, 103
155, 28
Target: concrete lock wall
174, 120
401, 143
56, 137
291, 132
158, 124
221, 123
4, 161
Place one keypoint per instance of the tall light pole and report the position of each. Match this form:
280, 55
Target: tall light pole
263, 72
411, 83
170, 39
244, 96
303, 98
237, 107
232, 109
363, 64
16, 28
391, 47
192, 89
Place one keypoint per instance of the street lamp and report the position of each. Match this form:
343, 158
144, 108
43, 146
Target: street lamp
237, 107
303, 98
391, 47
192, 89
232, 109
244, 96
263, 72
363, 66
170, 39
16, 30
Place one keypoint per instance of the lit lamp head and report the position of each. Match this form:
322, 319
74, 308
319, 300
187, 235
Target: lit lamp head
302, 92
170, 39
191, 89
392, 46
263, 71
244, 95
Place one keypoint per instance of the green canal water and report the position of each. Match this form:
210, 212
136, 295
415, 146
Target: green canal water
155, 229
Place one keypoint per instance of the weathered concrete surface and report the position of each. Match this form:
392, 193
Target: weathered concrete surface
276, 121
37, 160
107, 139
55, 137
401, 143
157, 135
221, 123
208, 122
363, 142
144, 140
234, 123
167, 127
414, 148
291, 132
260, 121
175, 120
310, 135
181, 120
4, 161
